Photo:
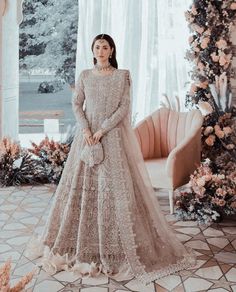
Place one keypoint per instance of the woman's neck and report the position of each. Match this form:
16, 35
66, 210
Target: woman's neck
103, 64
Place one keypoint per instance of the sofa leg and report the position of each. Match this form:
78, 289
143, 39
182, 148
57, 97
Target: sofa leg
171, 200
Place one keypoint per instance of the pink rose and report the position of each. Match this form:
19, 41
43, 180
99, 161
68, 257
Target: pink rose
197, 28
201, 181
227, 131
194, 10
193, 89
208, 130
220, 192
190, 39
221, 203
233, 204
233, 6
207, 177
230, 146
210, 140
204, 42
220, 134
221, 44
215, 57
205, 107
203, 84
200, 65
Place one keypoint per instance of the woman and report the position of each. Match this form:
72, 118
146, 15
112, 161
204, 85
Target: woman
105, 216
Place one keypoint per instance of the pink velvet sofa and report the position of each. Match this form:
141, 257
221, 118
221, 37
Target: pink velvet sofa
170, 142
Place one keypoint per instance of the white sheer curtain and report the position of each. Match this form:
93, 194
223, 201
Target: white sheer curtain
151, 40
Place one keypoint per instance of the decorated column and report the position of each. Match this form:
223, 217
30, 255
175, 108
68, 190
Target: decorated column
10, 17
212, 53
233, 72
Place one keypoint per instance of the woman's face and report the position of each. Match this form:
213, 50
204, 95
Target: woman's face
102, 50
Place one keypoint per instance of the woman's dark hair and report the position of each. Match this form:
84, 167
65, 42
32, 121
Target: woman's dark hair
109, 39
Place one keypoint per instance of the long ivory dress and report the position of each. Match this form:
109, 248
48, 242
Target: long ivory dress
106, 218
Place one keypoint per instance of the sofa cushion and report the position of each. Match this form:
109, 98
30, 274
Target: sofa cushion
157, 171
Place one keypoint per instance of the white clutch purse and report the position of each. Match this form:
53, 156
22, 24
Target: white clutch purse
92, 154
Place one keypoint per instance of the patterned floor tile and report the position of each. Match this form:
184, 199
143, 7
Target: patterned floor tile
189, 230
197, 244
169, 282
135, 285
212, 232
48, 285
212, 272
231, 275
94, 289
101, 279
196, 284
226, 257
218, 241
66, 277
25, 210
230, 230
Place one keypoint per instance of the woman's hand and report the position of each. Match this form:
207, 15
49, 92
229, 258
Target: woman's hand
97, 136
88, 136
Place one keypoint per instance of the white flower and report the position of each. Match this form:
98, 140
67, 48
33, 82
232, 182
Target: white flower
17, 163
191, 208
205, 107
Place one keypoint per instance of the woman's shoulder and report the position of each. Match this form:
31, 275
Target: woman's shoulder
124, 71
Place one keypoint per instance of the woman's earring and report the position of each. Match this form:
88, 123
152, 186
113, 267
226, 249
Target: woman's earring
110, 56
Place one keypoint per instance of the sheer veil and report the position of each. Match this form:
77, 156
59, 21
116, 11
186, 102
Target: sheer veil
152, 248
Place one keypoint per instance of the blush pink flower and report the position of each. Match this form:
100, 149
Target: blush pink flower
230, 146
210, 140
200, 66
204, 42
221, 44
190, 39
233, 204
208, 130
197, 28
233, 6
215, 57
221, 192
194, 10
193, 89
227, 131
219, 133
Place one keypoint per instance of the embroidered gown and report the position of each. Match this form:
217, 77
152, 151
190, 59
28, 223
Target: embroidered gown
106, 217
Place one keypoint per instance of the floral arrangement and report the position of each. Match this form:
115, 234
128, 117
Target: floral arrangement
53, 155
212, 194
210, 22
5, 279
17, 166
212, 186
43, 163
219, 135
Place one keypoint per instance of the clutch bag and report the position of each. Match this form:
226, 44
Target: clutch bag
92, 154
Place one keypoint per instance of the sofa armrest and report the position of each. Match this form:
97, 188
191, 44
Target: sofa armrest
184, 159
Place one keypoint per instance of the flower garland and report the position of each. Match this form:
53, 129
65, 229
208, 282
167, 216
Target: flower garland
211, 23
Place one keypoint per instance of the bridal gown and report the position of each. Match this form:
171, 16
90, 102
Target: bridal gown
106, 218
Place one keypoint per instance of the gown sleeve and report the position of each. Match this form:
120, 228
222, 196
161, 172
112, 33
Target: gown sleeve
78, 99
122, 109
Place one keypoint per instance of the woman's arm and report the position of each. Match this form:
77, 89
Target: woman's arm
122, 109
78, 101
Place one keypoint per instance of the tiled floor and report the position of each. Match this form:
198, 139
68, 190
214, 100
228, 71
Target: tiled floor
23, 210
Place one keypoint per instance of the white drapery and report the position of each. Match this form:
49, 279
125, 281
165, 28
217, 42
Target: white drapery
151, 39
